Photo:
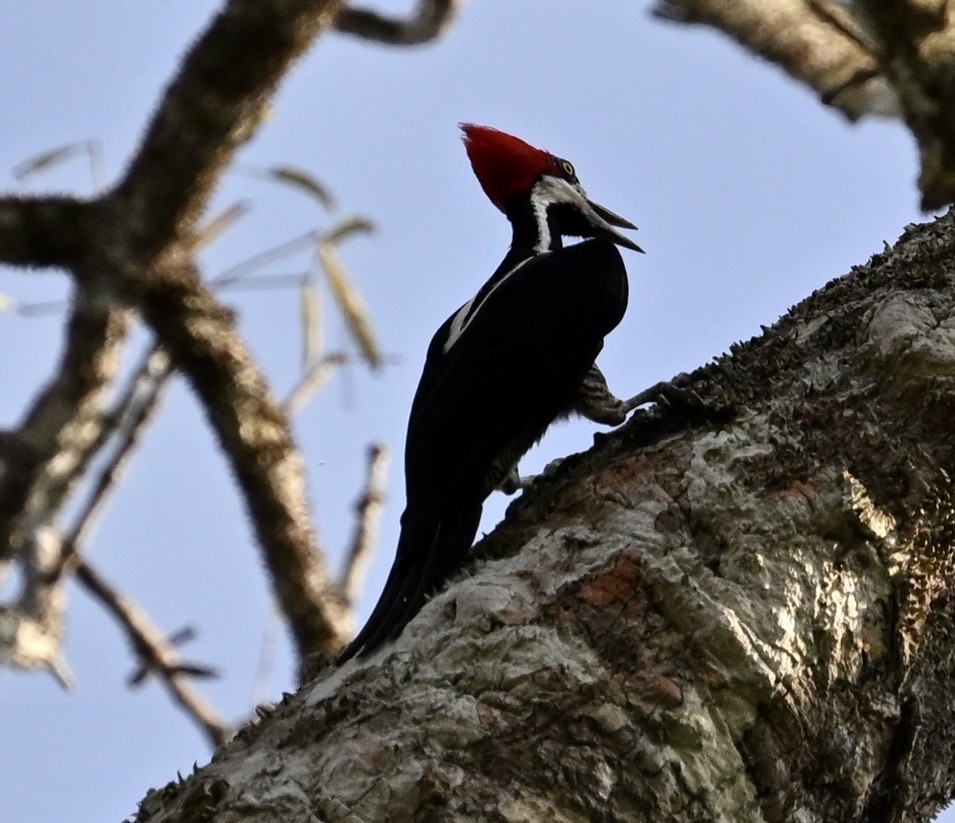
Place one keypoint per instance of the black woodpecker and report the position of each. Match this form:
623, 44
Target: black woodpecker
514, 358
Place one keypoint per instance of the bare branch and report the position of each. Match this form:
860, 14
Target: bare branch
220, 223
42, 231
430, 20
368, 510
916, 39
155, 651
201, 339
808, 45
212, 107
31, 631
350, 303
311, 382
53, 157
61, 429
240, 271
882, 57
39, 464
294, 178
133, 411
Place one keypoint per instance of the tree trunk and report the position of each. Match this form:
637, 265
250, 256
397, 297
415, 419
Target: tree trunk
736, 608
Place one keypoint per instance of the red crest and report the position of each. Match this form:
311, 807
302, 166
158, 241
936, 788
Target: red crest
505, 166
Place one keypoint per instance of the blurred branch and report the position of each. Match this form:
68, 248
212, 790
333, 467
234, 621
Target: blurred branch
61, 429
31, 630
53, 157
220, 223
294, 178
793, 34
314, 378
430, 20
239, 272
870, 57
213, 105
156, 652
915, 40
42, 231
368, 510
131, 414
200, 336
133, 246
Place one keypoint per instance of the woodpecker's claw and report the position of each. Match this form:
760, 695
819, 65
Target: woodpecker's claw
513, 482
668, 392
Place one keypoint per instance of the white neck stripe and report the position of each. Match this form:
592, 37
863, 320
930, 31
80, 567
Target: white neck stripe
539, 204
547, 192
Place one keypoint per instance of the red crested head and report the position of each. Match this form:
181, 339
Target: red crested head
505, 166
508, 168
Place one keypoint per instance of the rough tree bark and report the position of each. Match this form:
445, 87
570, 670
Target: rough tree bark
739, 609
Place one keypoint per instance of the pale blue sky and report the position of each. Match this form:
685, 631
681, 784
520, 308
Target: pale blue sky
747, 192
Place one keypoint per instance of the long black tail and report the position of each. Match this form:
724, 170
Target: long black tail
429, 552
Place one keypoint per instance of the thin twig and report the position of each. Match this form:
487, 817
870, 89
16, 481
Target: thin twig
239, 270
260, 282
368, 509
317, 376
311, 382
263, 671
428, 22
133, 411
155, 651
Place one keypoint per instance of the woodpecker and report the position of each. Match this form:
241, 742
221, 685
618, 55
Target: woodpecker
514, 358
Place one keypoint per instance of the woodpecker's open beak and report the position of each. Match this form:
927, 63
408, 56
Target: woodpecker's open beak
605, 220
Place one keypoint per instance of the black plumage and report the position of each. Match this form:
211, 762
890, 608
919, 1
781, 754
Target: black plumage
500, 370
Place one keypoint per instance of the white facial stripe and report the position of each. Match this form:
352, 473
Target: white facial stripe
549, 191
469, 310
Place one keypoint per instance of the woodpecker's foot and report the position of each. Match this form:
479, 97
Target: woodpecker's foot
667, 392
596, 402
513, 482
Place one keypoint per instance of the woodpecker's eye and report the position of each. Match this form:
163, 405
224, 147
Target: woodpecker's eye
567, 168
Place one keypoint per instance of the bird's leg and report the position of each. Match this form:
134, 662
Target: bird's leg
596, 402
503, 475
512, 482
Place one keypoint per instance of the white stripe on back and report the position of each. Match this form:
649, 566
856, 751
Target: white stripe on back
469, 310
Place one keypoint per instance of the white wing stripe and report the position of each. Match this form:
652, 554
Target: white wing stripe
469, 310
